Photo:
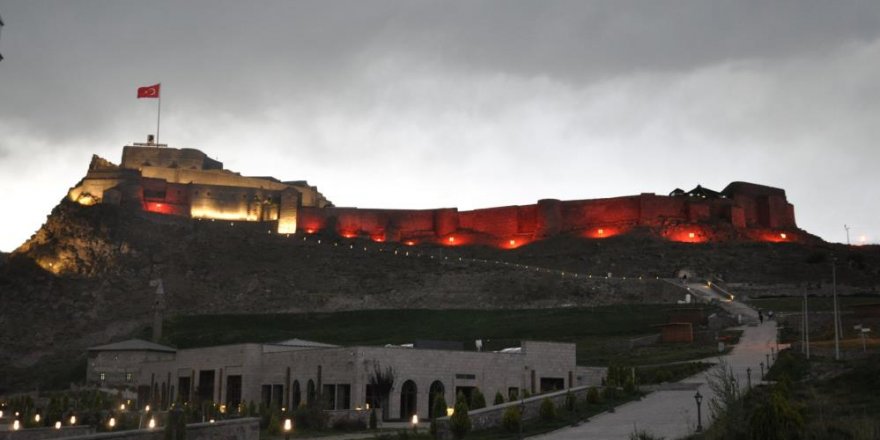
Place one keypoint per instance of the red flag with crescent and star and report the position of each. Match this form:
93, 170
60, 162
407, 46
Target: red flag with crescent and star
149, 91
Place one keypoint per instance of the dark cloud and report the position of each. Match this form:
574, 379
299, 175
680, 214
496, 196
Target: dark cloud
424, 103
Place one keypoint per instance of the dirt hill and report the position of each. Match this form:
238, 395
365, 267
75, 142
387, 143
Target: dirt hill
84, 277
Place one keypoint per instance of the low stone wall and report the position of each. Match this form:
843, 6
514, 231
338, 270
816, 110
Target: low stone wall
46, 433
490, 417
236, 429
348, 416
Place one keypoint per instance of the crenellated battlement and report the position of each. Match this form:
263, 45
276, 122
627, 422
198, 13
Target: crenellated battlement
188, 183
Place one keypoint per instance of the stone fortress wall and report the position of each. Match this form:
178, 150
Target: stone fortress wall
186, 182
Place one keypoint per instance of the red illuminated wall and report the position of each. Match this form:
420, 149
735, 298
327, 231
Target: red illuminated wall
747, 211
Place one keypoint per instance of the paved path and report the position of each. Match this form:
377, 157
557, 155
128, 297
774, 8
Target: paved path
672, 414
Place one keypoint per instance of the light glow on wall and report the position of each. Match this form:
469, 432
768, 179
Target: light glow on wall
209, 213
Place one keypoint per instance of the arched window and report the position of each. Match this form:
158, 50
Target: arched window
297, 396
408, 401
310, 392
437, 389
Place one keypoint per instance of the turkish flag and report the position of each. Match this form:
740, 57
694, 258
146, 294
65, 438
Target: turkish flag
149, 91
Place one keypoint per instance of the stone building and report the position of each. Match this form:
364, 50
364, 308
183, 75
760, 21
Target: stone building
295, 372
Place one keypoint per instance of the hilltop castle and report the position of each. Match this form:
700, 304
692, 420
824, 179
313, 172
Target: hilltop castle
187, 183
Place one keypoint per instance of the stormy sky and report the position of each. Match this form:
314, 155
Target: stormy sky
422, 104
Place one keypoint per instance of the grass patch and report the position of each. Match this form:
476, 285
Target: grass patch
816, 303
602, 334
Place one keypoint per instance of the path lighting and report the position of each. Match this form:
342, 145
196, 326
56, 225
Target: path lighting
72, 420
288, 426
122, 407
37, 418
58, 425
450, 411
1, 413
147, 408
415, 422
699, 398
16, 425
152, 423
111, 423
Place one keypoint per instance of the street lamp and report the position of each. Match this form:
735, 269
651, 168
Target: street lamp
762, 371
415, 423
699, 398
749, 377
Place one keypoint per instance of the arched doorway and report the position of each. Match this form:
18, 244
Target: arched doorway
408, 399
310, 392
436, 389
296, 399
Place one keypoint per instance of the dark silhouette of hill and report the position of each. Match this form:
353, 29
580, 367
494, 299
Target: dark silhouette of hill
84, 278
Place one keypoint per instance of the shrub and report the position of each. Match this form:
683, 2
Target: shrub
570, 402
460, 422
349, 425
310, 417
609, 393
775, 418
274, 425
439, 410
477, 400
511, 419
629, 387
499, 398
547, 410
374, 424
593, 397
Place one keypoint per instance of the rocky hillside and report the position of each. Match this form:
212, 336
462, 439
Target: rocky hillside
84, 278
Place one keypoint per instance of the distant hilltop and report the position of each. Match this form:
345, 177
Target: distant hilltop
187, 183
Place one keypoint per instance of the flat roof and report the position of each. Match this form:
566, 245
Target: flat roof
134, 345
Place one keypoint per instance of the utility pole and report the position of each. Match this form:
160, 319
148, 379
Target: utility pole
834, 294
807, 323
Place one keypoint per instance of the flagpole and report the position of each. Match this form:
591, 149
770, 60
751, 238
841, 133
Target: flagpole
158, 114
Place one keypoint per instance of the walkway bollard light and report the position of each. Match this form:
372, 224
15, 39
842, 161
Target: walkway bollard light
58, 425
288, 426
152, 423
699, 398
111, 423
749, 377
415, 423
16, 425
72, 420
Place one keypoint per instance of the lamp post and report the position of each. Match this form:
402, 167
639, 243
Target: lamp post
749, 377
767, 356
415, 423
762, 371
699, 398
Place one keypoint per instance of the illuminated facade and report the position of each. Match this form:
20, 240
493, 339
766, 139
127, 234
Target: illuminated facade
187, 183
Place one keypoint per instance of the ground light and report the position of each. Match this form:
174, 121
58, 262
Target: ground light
152, 423
288, 426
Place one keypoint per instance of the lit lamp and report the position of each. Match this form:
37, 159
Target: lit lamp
152, 423
16, 425
72, 420
111, 423
122, 407
415, 422
450, 411
288, 426
147, 408
699, 398
58, 425
37, 418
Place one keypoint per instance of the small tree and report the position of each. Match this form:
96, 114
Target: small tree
593, 397
547, 410
460, 422
511, 419
570, 401
499, 398
477, 399
382, 381
438, 409
374, 424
